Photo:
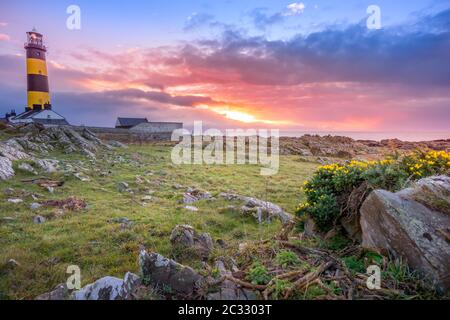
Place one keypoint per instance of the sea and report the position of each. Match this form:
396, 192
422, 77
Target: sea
413, 136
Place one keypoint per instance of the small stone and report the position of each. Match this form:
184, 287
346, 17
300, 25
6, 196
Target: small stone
8, 191
51, 189
81, 177
147, 198
35, 206
221, 243
39, 219
12, 263
15, 201
122, 187
191, 208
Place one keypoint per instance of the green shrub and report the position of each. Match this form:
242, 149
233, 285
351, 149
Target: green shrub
279, 287
258, 274
329, 190
287, 258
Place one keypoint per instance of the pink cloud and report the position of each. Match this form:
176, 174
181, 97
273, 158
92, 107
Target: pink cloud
4, 37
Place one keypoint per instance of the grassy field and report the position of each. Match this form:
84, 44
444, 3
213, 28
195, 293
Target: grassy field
99, 246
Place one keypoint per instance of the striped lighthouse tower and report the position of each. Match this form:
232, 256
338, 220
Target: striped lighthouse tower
37, 77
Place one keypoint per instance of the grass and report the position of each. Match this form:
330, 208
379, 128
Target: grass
100, 247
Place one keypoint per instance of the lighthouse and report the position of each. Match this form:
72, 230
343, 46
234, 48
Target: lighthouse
37, 77
39, 108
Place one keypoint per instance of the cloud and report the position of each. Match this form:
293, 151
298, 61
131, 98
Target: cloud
161, 97
295, 8
3, 24
262, 20
197, 20
352, 54
4, 37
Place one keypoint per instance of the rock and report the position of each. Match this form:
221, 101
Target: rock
117, 144
123, 187
12, 151
43, 140
161, 272
27, 168
50, 189
412, 225
194, 195
80, 176
186, 240
304, 152
39, 219
59, 293
8, 191
15, 201
35, 206
6, 169
221, 243
48, 165
262, 210
228, 290
12, 264
125, 223
109, 288
191, 208
147, 198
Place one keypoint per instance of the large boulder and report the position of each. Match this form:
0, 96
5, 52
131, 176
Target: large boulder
6, 169
109, 288
413, 224
169, 275
185, 239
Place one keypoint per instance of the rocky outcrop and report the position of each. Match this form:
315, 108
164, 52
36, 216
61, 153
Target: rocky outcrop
42, 140
185, 239
260, 209
169, 275
6, 169
414, 225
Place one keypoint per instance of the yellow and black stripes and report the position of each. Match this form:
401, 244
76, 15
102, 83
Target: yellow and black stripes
37, 77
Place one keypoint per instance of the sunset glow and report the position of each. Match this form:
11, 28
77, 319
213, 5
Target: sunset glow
248, 71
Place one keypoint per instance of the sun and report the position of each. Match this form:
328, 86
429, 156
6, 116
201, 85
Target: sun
239, 116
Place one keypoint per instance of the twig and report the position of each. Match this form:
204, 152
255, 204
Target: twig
287, 275
245, 284
307, 279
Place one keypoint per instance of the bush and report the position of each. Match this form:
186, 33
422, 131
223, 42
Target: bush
287, 258
331, 186
258, 274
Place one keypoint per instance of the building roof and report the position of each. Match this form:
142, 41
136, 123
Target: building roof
57, 122
46, 116
26, 114
130, 122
